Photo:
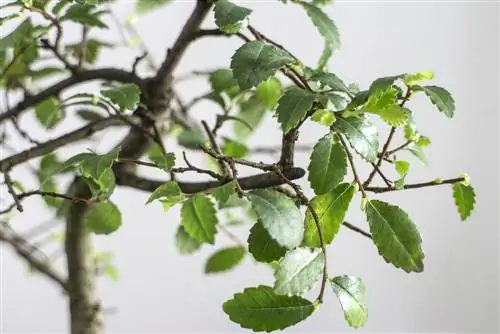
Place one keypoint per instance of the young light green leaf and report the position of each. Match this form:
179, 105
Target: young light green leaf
328, 164
441, 98
413, 79
146, 6
417, 151
262, 246
395, 235
293, 107
184, 242
326, 28
103, 218
198, 216
465, 199
350, 291
394, 115
234, 149
169, 189
269, 92
256, 61
224, 259
229, 17
361, 134
323, 117
402, 167
279, 216
261, 309
126, 96
331, 81
49, 113
299, 271
331, 209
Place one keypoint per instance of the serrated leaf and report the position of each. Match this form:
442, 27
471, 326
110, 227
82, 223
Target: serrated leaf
260, 309
293, 107
126, 96
222, 193
229, 17
326, 28
394, 115
269, 92
146, 6
395, 235
299, 271
164, 161
279, 216
327, 165
95, 165
198, 216
361, 134
441, 98
251, 112
49, 113
332, 81
465, 199
331, 209
169, 189
256, 61
224, 259
262, 246
184, 242
350, 291
103, 218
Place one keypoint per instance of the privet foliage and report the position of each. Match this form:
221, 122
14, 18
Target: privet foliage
252, 87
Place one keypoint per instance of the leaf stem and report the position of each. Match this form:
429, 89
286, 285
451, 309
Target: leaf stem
353, 167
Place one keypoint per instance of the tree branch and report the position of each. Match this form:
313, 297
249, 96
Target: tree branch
416, 185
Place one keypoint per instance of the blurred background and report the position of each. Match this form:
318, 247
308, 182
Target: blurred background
160, 291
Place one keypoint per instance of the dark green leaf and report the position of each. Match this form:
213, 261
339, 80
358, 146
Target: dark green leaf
293, 107
260, 309
269, 92
441, 98
262, 246
126, 96
103, 218
383, 84
465, 199
361, 134
49, 113
328, 164
395, 235
89, 115
256, 61
299, 271
199, 218
229, 17
331, 81
146, 6
224, 259
279, 216
169, 189
184, 242
331, 209
350, 291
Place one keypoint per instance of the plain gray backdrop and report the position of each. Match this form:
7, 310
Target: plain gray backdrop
161, 291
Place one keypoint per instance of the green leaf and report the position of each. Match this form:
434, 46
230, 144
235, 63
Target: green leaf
89, 115
441, 98
279, 216
402, 167
234, 149
229, 17
184, 242
91, 51
48, 165
146, 6
331, 81
383, 85
191, 139
49, 113
394, 115
418, 152
103, 218
256, 61
413, 79
82, 14
328, 164
350, 291
224, 259
222, 80
20, 34
260, 309
262, 246
198, 216
95, 165
50, 186
465, 199
126, 96
269, 92
331, 209
169, 189
361, 134
164, 161
323, 117
293, 107
222, 193
251, 112
326, 28
299, 271
395, 235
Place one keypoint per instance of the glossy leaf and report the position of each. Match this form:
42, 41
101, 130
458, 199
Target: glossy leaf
169, 189
230, 18
126, 96
328, 164
361, 134
260, 309
331, 81
299, 271
395, 235
49, 113
224, 259
465, 199
293, 107
103, 218
441, 98
262, 246
256, 61
331, 209
279, 216
350, 291
198, 216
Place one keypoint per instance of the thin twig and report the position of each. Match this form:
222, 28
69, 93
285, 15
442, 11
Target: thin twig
15, 197
231, 235
416, 185
353, 166
357, 229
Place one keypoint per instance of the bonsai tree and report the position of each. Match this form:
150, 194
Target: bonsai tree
291, 227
